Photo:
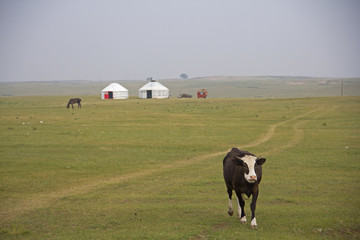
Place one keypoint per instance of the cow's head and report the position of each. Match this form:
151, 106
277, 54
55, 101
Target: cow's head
249, 162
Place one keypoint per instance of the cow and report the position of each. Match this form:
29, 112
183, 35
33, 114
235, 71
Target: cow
242, 173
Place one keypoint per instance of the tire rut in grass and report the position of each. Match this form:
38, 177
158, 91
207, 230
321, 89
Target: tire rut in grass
43, 200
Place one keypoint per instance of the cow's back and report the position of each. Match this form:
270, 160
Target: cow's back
230, 169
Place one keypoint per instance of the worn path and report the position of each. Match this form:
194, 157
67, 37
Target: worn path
43, 200
296, 138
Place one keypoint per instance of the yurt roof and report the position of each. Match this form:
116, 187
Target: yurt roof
153, 86
113, 87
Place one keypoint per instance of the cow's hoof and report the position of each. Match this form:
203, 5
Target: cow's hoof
231, 213
253, 223
243, 220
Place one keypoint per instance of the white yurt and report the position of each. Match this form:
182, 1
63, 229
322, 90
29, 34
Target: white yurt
114, 91
153, 89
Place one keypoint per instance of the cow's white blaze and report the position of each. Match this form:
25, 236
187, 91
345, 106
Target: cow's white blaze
250, 161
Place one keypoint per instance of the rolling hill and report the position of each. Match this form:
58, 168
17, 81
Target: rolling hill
217, 86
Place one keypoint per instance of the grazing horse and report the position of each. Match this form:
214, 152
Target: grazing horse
72, 101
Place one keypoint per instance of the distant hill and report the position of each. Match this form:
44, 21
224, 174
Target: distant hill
217, 86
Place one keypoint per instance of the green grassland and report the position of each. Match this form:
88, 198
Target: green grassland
218, 87
152, 169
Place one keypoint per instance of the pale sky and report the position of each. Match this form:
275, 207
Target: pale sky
46, 40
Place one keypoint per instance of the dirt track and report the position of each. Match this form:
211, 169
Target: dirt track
46, 199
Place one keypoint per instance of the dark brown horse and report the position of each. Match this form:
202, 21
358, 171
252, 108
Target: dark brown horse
72, 101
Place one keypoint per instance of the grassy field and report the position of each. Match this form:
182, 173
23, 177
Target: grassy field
218, 87
152, 169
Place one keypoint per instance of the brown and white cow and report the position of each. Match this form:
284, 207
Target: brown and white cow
242, 173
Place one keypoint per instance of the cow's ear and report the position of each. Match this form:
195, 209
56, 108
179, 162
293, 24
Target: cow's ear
260, 161
238, 161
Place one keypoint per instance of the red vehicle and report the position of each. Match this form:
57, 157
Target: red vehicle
202, 93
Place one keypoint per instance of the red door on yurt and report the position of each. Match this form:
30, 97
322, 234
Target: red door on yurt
106, 95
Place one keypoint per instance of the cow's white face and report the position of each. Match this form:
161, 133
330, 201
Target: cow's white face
249, 167
248, 163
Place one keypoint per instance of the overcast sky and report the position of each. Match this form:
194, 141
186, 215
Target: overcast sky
134, 39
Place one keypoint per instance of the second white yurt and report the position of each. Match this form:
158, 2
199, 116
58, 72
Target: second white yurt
153, 89
114, 91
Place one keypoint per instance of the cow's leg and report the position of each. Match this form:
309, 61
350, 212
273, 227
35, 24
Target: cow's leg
231, 209
241, 206
253, 208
